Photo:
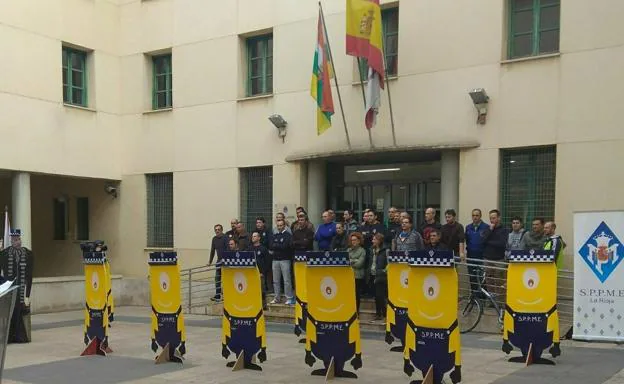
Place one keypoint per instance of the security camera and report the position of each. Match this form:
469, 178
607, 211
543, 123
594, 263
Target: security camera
111, 190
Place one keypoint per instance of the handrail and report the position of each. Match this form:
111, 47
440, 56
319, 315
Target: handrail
198, 285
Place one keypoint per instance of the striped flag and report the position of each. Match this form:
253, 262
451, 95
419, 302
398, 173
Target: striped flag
320, 88
364, 40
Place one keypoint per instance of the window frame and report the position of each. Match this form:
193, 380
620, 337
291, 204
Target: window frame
67, 56
159, 201
82, 222
363, 63
536, 13
265, 39
168, 74
60, 216
535, 174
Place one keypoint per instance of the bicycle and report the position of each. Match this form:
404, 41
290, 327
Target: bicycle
471, 307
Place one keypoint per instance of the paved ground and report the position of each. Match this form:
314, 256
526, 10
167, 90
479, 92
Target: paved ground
53, 357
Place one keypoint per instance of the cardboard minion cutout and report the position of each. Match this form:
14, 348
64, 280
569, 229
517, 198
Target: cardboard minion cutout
244, 332
531, 320
109, 294
96, 306
168, 333
432, 340
333, 329
301, 295
398, 297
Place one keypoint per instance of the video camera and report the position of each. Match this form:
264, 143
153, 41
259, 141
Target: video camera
93, 246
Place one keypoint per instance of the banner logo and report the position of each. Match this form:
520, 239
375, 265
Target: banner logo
602, 252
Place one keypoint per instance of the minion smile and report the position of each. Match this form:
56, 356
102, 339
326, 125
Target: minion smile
402, 301
164, 305
325, 310
529, 302
430, 317
245, 309
95, 302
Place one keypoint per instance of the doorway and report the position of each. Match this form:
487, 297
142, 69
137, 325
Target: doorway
410, 187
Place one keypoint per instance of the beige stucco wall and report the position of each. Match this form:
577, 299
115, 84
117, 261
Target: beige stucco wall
571, 100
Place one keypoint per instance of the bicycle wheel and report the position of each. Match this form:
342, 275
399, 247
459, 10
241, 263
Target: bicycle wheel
469, 312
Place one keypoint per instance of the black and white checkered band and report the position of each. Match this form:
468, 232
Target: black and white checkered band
241, 259
400, 257
532, 256
94, 257
328, 259
301, 257
433, 258
163, 258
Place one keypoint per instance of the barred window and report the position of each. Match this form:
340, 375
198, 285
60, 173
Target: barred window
256, 191
527, 185
159, 210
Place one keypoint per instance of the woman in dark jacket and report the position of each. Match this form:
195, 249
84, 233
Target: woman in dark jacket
339, 242
380, 275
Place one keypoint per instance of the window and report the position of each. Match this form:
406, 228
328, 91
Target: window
74, 77
159, 210
162, 97
533, 27
528, 183
60, 219
82, 218
260, 65
390, 25
256, 195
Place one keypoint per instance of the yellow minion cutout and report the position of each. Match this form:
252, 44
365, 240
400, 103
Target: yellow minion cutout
333, 328
109, 293
168, 330
432, 338
243, 318
301, 296
96, 309
398, 297
531, 320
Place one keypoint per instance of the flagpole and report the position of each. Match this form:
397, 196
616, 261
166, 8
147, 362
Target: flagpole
331, 59
383, 47
370, 137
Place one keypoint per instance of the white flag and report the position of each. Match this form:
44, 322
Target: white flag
6, 239
373, 98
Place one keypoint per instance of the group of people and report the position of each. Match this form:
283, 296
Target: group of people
368, 242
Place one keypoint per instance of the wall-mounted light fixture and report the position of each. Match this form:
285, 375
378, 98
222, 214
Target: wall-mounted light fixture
111, 190
480, 100
279, 123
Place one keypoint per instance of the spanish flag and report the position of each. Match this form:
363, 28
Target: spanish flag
320, 88
364, 33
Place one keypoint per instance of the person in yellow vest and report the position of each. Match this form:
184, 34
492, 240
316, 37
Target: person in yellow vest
554, 243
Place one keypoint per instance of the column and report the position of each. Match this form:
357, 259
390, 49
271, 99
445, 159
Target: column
21, 207
317, 190
449, 185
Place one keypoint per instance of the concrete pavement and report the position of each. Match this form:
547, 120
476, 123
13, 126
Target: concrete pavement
53, 357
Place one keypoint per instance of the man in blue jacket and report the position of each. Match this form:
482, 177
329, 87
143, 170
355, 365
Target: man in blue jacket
325, 232
474, 248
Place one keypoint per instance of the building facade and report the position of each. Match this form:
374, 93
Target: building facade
145, 123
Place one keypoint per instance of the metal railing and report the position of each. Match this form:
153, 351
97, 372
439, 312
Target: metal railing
198, 286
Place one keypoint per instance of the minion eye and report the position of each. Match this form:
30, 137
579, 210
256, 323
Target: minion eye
95, 281
240, 283
531, 278
431, 287
404, 278
165, 282
329, 289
